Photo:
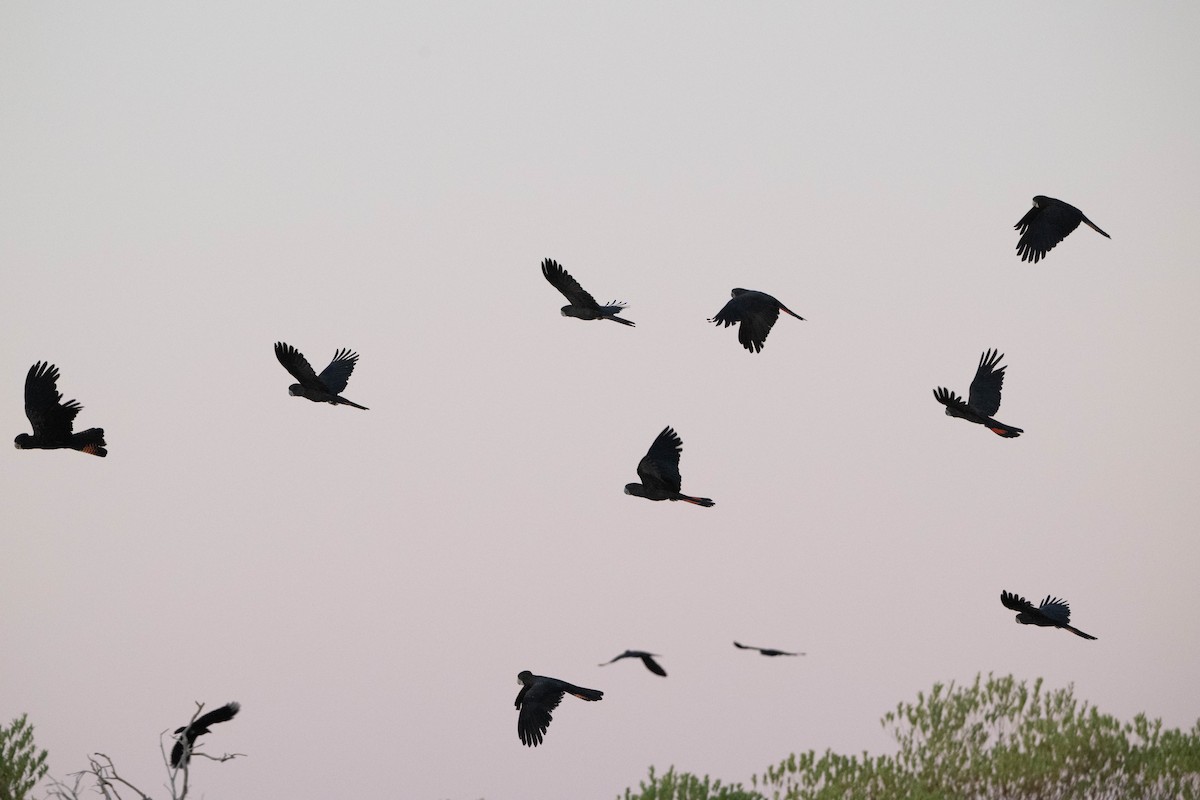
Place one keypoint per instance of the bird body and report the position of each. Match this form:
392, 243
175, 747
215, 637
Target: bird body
538, 697
984, 399
766, 651
324, 388
755, 313
659, 471
647, 659
185, 736
582, 304
1046, 224
1052, 613
53, 421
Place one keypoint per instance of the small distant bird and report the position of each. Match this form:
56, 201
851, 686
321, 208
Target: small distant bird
1052, 613
538, 697
659, 471
647, 659
324, 388
52, 419
583, 305
984, 399
181, 753
1046, 224
756, 312
766, 651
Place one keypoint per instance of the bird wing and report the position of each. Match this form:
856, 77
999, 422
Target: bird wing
48, 415
561, 279
1044, 226
1056, 610
653, 665
222, 714
989, 380
756, 324
659, 468
337, 374
540, 698
295, 363
1017, 603
730, 313
949, 399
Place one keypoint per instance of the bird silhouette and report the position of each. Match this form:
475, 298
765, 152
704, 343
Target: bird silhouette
647, 659
1052, 613
583, 305
766, 651
539, 696
1046, 224
181, 753
984, 398
659, 471
756, 312
324, 388
53, 420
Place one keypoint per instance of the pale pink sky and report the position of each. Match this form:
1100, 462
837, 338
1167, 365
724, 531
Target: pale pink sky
183, 185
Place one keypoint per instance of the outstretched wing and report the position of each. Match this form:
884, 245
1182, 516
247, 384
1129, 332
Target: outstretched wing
561, 279
1056, 610
659, 468
540, 699
1017, 603
653, 665
49, 417
295, 362
222, 714
1044, 226
337, 374
989, 380
950, 400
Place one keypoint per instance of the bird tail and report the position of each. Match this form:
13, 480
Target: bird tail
1006, 431
1092, 225
614, 318
700, 501
90, 441
1078, 632
782, 307
344, 402
586, 694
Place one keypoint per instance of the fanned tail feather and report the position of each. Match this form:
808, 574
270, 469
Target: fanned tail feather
90, 441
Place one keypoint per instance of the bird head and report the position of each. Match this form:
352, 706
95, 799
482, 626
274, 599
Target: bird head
524, 676
1040, 201
296, 390
22, 441
736, 292
634, 489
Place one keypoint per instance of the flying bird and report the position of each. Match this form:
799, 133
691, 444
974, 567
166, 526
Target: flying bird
1046, 224
766, 651
756, 312
647, 659
181, 753
324, 388
659, 471
539, 696
984, 399
53, 420
1052, 613
582, 305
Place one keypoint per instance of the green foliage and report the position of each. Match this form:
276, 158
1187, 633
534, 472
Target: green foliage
996, 738
683, 786
1001, 739
21, 764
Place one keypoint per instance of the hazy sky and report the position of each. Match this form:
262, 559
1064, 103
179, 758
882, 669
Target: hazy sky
182, 185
